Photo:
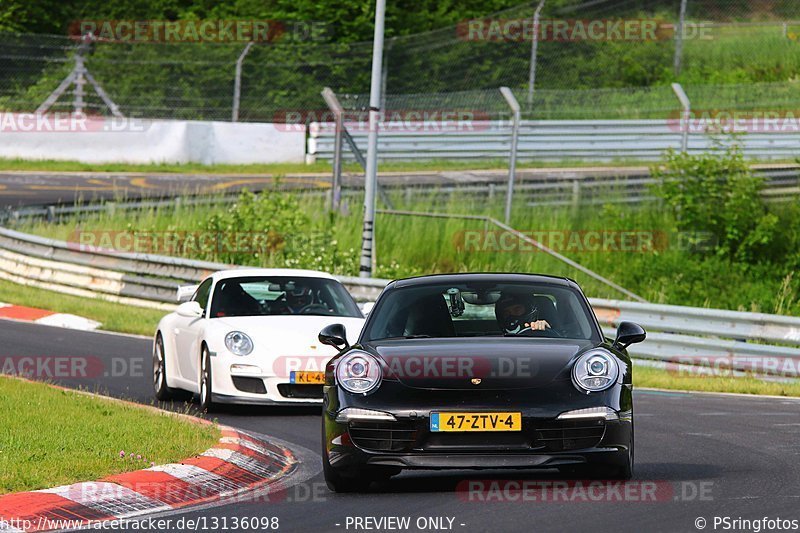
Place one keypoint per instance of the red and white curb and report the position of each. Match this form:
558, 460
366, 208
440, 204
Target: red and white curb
48, 318
240, 463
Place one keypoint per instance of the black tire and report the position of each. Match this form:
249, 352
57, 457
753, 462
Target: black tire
622, 470
206, 404
358, 480
625, 470
163, 393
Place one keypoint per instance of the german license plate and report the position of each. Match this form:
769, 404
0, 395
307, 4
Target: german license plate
476, 421
307, 378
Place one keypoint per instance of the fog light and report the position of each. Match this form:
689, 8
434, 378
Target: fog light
350, 414
606, 413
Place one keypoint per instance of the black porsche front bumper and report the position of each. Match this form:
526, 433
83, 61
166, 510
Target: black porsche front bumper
545, 441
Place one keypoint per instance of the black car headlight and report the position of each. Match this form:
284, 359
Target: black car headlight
358, 372
594, 371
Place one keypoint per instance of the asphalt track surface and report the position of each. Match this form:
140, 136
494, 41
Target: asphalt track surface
709, 455
49, 188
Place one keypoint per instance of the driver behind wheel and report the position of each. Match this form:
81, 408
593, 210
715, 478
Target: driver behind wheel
517, 313
298, 299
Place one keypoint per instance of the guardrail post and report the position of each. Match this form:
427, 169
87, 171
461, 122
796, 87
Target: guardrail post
512, 158
338, 115
687, 109
237, 82
576, 196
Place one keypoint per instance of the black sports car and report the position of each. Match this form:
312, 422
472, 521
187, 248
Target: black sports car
478, 371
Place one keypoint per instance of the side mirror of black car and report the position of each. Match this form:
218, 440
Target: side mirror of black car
629, 333
334, 335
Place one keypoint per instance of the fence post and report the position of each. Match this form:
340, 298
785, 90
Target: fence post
534, 53
512, 158
676, 63
237, 82
687, 108
367, 262
80, 77
336, 185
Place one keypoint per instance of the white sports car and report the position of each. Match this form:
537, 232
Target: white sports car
249, 336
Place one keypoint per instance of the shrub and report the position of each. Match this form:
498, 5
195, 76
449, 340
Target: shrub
716, 193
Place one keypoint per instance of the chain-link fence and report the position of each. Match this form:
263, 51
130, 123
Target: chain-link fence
593, 59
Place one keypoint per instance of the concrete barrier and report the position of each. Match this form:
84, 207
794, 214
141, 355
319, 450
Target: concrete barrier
127, 140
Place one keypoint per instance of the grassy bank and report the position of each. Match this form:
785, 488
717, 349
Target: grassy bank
302, 233
663, 379
112, 316
55, 437
48, 165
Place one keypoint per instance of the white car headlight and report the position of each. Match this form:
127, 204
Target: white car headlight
238, 343
358, 372
594, 371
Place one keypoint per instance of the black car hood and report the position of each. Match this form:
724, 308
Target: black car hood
498, 362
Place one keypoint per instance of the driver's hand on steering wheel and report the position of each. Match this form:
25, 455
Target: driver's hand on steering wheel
539, 325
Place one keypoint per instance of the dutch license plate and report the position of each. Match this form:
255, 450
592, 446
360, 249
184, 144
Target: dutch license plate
307, 378
476, 421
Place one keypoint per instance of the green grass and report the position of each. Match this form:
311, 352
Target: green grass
113, 316
662, 379
410, 246
51, 437
48, 165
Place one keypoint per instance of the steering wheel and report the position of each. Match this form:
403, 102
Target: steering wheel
547, 332
313, 308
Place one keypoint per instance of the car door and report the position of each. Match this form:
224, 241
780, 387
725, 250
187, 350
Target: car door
187, 331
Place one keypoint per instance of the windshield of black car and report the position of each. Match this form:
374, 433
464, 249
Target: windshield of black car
281, 295
442, 311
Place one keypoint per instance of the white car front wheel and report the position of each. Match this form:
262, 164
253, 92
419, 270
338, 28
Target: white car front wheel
163, 393
205, 380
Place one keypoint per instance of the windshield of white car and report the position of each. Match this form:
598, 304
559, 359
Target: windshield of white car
281, 295
497, 309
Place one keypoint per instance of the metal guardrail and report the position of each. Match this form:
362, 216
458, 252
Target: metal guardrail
548, 140
144, 280
695, 336
769, 344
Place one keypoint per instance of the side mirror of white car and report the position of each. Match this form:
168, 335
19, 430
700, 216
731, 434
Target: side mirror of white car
190, 310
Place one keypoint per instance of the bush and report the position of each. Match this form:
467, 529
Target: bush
717, 195
276, 230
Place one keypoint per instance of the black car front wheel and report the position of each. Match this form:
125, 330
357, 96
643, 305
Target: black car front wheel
622, 469
356, 479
